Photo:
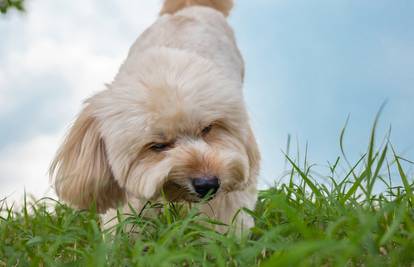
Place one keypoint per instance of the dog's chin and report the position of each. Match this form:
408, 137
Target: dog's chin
178, 192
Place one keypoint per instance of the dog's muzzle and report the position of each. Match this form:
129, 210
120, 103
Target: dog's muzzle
204, 186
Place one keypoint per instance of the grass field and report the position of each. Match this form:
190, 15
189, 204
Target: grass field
302, 222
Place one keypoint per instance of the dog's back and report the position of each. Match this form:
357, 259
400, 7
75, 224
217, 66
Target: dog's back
195, 26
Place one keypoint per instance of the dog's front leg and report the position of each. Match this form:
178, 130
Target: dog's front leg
226, 208
110, 218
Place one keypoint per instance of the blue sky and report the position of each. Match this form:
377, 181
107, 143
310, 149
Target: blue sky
309, 65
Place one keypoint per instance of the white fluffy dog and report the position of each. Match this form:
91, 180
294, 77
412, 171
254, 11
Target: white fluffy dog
173, 122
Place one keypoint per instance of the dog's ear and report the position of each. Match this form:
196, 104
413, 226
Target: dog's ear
253, 155
81, 171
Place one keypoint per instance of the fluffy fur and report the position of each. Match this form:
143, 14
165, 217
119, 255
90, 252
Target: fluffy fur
183, 74
172, 6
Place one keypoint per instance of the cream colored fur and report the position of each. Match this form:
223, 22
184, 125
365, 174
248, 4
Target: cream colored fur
172, 6
182, 74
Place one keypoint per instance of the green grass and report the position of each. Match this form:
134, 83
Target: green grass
301, 222
6, 5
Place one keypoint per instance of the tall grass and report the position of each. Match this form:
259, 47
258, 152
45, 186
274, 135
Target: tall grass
302, 222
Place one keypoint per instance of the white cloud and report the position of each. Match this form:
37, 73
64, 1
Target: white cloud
24, 167
82, 43
67, 38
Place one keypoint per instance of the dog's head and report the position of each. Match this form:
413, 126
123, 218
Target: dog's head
171, 122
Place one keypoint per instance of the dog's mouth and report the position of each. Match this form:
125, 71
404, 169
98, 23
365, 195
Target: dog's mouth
178, 191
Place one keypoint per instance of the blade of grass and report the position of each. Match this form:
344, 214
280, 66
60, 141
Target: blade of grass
404, 179
311, 185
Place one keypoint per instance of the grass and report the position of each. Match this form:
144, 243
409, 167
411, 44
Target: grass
301, 222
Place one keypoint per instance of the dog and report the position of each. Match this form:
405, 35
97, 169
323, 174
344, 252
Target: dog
173, 123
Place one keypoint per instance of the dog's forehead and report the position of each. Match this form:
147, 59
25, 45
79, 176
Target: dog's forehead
172, 112
177, 117
169, 92
174, 108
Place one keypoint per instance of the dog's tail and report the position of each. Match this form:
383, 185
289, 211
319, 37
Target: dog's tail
172, 6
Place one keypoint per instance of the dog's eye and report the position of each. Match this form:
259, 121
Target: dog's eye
207, 129
158, 147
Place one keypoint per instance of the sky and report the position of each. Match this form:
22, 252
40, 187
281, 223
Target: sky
309, 65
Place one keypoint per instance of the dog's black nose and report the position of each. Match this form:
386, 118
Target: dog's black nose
206, 185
